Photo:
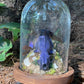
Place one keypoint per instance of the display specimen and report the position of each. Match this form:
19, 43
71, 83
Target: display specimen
45, 35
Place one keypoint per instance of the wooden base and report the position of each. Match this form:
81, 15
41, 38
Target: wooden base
26, 78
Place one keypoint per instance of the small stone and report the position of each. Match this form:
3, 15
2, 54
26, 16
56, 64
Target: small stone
54, 51
61, 60
27, 62
34, 58
55, 66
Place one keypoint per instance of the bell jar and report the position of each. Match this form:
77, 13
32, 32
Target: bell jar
45, 36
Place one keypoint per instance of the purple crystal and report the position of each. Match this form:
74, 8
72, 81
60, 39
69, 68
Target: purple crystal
31, 44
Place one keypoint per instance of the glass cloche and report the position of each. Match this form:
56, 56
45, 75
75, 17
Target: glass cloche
45, 36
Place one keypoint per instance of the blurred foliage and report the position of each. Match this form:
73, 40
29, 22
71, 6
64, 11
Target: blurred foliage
5, 46
2, 5
14, 27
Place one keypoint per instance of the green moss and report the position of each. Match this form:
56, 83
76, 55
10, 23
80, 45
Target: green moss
57, 53
57, 57
51, 72
29, 53
38, 57
24, 67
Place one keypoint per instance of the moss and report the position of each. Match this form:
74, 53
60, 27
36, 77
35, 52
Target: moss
29, 53
57, 53
57, 57
51, 71
38, 57
24, 67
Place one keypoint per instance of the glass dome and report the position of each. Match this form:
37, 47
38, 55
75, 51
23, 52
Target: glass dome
45, 35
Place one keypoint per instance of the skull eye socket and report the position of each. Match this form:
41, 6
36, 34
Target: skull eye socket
44, 65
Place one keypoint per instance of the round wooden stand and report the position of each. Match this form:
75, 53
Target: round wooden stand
26, 78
